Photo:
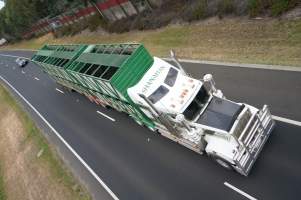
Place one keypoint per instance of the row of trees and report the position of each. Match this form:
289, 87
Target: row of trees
18, 15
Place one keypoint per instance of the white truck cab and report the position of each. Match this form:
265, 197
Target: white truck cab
195, 114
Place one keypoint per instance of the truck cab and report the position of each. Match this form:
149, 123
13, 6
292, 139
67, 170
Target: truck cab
195, 114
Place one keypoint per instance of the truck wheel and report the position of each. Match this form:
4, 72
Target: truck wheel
108, 107
152, 129
138, 122
224, 163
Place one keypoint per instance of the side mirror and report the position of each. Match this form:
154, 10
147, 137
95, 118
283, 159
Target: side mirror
175, 60
172, 54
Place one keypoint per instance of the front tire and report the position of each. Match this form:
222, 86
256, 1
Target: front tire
222, 162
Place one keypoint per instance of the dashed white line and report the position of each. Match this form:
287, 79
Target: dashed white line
239, 191
36, 78
59, 90
64, 141
110, 118
289, 121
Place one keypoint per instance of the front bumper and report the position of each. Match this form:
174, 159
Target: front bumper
252, 140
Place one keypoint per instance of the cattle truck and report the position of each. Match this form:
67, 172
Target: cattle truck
163, 98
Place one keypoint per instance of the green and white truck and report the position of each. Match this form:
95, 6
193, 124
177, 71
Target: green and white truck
163, 98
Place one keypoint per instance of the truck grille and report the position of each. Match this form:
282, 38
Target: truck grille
242, 123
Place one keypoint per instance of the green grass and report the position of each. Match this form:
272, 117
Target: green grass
2, 191
59, 172
267, 41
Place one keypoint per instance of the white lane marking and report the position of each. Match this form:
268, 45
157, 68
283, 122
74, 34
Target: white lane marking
59, 90
110, 118
239, 191
289, 121
241, 65
7, 55
20, 50
102, 183
23, 72
36, 78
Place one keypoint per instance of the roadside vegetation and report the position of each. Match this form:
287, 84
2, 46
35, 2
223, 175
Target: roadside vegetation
261, 41
242, 31
30, 168
18, 16
2, 191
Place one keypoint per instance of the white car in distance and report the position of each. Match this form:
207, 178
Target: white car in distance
21, 62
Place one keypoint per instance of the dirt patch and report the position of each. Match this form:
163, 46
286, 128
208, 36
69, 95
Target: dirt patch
26, 174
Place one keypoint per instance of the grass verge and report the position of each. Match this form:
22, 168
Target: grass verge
48, 167
266, 41
2, 191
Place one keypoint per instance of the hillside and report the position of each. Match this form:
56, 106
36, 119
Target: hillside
244, 31
243, 40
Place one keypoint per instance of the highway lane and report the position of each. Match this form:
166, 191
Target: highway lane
137, 164
278, 89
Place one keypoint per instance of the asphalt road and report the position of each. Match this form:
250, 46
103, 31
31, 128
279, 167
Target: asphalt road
137, 164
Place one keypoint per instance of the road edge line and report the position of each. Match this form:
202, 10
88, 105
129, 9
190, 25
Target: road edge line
63, 140
19, 50
241, 65
286, 120
7, 55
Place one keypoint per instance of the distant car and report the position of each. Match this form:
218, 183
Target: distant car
21, 62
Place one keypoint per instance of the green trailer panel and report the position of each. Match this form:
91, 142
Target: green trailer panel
101, 72
133, 69
54, 58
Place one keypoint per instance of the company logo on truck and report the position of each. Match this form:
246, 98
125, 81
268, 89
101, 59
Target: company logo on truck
152, 79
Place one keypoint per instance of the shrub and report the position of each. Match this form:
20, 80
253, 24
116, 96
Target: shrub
256, 7
70, 29
225, 7
94, 22
63, 31
198, 11
280, 6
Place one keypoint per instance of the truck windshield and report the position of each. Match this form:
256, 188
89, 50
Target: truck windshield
158, 94
196, 106
171, 77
